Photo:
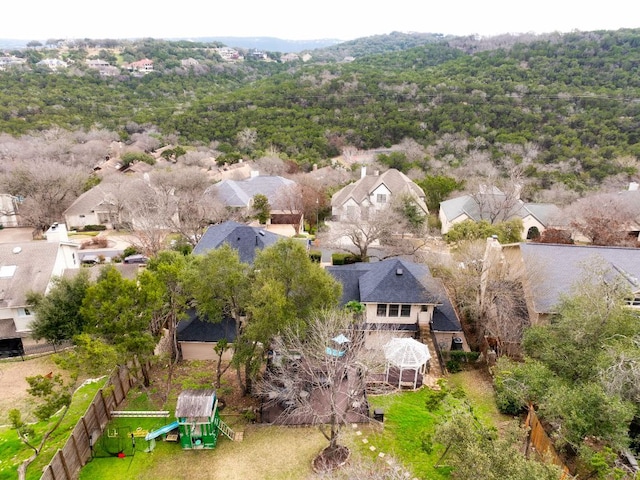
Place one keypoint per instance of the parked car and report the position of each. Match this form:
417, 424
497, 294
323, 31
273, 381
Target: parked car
137, 258
90, 259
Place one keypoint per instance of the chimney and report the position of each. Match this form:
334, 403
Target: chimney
363, 171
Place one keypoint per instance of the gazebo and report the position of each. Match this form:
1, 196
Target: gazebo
406, 354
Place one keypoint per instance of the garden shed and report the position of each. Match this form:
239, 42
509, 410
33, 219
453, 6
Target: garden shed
406, 354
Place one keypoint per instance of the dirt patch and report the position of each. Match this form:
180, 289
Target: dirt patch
197, 374
13, 376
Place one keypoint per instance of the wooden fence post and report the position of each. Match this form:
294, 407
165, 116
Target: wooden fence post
76, 449
64, 465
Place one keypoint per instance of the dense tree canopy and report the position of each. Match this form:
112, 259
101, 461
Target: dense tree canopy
537, 101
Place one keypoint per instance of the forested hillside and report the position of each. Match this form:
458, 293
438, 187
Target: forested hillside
565, 107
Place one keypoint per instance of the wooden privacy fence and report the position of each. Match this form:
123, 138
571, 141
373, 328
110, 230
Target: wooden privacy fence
75, 454
540, 441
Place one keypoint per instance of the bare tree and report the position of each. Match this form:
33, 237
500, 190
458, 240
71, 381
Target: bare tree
497, 200
604, 219
290, 201
316, 380
247, 138
487, 290
45, 189
194, 208
148, 210
360, 234
386, 229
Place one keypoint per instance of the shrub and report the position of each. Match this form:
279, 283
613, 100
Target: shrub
434, 398
344, 258
454, 366
130, 250
315, 256
462, 356
94, 228
131, 157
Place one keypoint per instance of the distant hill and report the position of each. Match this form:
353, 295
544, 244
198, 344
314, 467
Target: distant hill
268, 44
271, 44
12, 44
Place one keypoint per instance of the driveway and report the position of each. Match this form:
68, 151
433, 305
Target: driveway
14, 235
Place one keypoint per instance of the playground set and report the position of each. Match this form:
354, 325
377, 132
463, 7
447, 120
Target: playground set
198, 426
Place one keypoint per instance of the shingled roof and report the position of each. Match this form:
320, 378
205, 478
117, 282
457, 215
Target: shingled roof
396, 181
396, 281
196, 329
238, 193
244, 238
468, 205
559, 267
25, 267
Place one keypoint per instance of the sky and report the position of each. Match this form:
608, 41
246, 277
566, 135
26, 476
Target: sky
299, 20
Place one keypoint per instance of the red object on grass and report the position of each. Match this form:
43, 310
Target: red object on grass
121, 455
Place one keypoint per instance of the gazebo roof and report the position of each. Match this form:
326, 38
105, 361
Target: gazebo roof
406, 353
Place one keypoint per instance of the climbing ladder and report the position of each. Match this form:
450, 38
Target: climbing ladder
225, 429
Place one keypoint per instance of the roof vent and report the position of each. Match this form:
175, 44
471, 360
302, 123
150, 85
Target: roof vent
399, 271
16, 250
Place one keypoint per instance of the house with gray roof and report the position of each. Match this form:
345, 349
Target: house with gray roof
244, 238
238, 194
374, 193
551, 271
100, 205
497, 206
28, 267
400, 296
198, 336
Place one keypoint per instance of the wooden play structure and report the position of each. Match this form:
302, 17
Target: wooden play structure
199, 421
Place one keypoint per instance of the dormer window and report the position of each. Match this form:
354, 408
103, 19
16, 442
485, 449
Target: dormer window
381, 198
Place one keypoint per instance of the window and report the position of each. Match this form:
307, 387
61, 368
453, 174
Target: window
394, 310
381, 198
382, 310
405, 311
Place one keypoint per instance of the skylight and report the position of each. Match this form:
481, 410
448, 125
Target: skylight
7, 271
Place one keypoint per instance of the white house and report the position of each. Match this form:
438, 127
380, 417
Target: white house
29, 267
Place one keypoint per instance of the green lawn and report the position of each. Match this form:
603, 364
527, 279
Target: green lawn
279, 453
407, 423
14, 451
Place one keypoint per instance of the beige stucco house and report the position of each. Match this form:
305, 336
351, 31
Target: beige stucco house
536, 217
374, 193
